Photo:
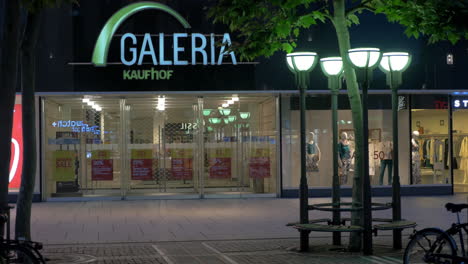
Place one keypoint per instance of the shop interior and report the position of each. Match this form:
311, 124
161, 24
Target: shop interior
159, 145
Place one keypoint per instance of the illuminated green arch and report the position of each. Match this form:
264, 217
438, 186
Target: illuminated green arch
101, 48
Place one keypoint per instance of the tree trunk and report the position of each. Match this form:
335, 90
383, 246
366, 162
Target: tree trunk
28, 74
342, 33
8, 76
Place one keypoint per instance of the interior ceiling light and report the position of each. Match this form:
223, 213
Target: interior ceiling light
85, 100
235, 98
230, 102
225, 105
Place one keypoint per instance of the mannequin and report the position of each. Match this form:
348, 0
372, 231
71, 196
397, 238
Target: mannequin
313, 154
386, 160
344, 154
415, 158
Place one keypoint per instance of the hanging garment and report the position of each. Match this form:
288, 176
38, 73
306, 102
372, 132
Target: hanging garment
312, 148
415, 165
312, 163
345, 167
438, 151
383, 164
464, 158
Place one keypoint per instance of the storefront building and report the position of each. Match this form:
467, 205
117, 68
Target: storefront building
161, 108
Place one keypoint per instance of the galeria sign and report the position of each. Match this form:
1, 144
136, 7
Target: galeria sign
135, 52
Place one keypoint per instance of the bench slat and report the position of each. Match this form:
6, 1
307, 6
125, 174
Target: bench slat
395, 225
328, 228
312, 221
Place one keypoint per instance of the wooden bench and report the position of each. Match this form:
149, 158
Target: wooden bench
312, 221
394, 225
328, 228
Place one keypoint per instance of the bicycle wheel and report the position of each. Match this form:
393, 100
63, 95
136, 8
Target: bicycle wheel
20, 255
430, 245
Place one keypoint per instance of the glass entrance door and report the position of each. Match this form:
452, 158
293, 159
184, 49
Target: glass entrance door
168, 146
161, 146
240, 146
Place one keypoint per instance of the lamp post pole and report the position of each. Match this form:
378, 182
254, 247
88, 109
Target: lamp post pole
332, 67
336, 197
393, 64
366, 190
301, 63
365, 60
303, 187
396, 199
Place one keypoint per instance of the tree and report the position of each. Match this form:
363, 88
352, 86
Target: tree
33, 10
267, 26
9, 43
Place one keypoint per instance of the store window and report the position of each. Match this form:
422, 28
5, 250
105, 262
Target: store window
319, 160
460, 144
430, 148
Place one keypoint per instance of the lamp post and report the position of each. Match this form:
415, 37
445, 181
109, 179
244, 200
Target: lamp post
364, 60
332, 67
393, 64
301, 63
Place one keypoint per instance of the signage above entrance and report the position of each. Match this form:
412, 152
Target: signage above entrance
135, 51
460, 103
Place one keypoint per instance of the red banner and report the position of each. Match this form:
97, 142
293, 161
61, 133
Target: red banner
16, 160
182, 168
102, 167
220, 168
142, 164
142, 169
259, 167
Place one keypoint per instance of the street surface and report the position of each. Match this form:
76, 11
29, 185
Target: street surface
233, 231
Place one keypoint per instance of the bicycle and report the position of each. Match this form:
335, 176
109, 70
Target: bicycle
435, 246
17, 251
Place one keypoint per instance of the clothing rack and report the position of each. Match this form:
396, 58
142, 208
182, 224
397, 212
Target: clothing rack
434, 135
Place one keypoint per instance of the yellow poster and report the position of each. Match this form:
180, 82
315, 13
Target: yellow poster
181, 153
64, 161
142, 154
219, 152
101, 154
259, 152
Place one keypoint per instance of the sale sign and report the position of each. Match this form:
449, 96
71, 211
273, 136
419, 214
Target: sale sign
102, 167
219, 163
181, 163
259, 165
16, 160
64, 165
142, 164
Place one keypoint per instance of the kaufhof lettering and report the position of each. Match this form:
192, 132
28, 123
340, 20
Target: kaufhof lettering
151, 74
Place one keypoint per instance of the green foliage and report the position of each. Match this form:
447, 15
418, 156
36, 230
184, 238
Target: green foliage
437, 19
267, 26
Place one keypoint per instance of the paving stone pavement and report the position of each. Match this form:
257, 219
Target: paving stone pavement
258, 251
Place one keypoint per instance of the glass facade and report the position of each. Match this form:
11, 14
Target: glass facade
161, 145
424, 142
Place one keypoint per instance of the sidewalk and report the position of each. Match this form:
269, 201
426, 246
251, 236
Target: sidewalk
258, 251
233, 231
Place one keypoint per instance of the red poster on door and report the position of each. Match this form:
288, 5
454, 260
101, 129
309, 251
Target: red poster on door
142, 164
259, 165
102, 167
219, 163
16, 160
182, 164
